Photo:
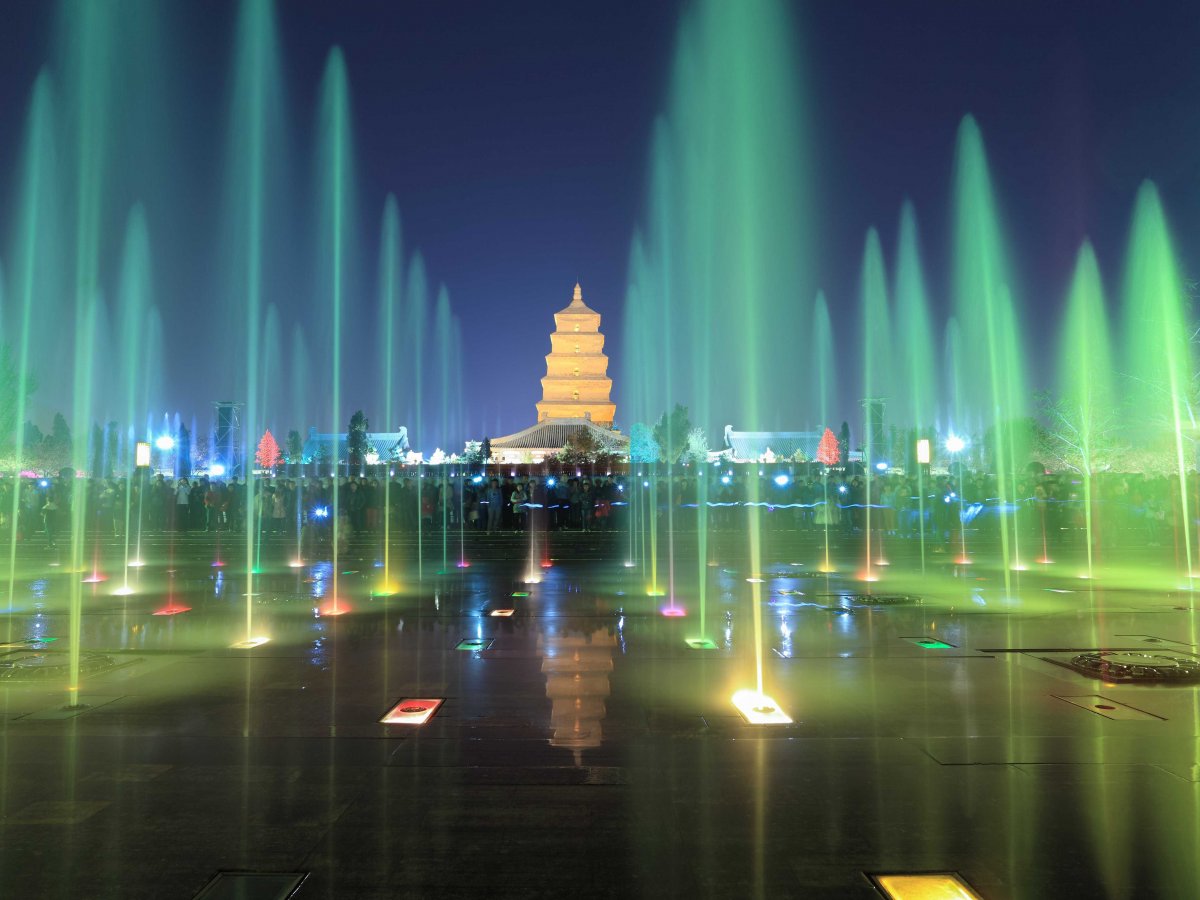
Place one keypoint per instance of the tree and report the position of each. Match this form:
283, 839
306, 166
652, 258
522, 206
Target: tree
55, 452
96, 452
473, 453
485, 450
112, 447
183, 453
295, 447
643, 448
1073, 440
268, 455
671, 433
15, 390
829, 450
1013, 440
33, 437
356, 439
697, 447
582, 447
844, 444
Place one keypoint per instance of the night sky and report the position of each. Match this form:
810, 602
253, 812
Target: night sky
515, 137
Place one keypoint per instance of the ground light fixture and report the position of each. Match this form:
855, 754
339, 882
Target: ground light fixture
249, 643
174, 609
701, 643
504, 612
164, 442
924, 886
674, 612
411, 711
759, 709
955, 444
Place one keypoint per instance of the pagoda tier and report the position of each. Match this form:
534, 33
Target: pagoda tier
577, 385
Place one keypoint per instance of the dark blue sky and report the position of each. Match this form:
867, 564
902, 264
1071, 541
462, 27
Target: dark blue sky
515, 137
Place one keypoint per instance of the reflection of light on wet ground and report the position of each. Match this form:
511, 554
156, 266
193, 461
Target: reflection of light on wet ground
759, 709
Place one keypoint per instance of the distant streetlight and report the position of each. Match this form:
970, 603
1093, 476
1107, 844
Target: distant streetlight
923, 456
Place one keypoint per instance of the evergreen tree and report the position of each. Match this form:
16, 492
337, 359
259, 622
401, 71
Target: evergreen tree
56, 446
642, 446
829, 450
295, 448
485, 450
671, 433
268, 455
356, 439
844, 444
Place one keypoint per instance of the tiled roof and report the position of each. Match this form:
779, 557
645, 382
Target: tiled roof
387, 444
553, 434
754, 444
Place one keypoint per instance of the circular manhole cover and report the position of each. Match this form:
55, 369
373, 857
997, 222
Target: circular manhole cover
1126, 665
880, 599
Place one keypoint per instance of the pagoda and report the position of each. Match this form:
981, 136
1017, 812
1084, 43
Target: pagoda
577, 385
575, 392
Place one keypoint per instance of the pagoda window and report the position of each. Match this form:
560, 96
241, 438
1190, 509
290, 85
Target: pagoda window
576, 348
577, 371
576, 326
574, 395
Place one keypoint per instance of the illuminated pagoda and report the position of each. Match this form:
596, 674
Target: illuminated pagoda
575, 391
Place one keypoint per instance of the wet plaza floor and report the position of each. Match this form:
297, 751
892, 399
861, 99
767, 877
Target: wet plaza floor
582, 747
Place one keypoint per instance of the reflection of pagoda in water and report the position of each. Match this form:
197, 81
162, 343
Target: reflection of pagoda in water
577, 669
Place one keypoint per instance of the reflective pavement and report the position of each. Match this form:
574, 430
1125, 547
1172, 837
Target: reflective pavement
583, 748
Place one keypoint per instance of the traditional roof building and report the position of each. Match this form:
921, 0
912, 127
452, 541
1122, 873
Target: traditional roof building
575, 392
753, 446
384, 446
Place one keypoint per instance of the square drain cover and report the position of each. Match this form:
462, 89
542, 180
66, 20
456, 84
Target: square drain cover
929, 643
474, 644
252, 886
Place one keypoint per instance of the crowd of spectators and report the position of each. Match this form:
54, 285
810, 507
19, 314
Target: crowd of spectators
1130, 507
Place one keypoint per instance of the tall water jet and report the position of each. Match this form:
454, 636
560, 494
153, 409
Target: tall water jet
1159, 360
134, 299
35, 264
443, 344
914, 399
984, 305
877, 338
336, 192
89, 40
735, 149
252, 157
821, 353
416, 296
390, 280
1082, 420
955, 443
